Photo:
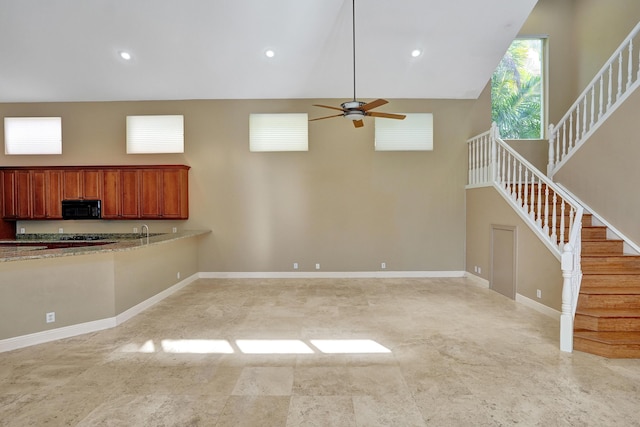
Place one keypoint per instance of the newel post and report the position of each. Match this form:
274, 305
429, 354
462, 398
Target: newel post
552, 154
566, 317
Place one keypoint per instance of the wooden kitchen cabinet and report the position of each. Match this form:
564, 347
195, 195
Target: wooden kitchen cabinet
164, 193
120, 194
82, 184
127, 192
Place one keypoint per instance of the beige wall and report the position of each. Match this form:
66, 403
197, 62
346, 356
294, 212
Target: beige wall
78, 289
141, 274
90, 287
341, 204
604, 172
600, 26
536, 266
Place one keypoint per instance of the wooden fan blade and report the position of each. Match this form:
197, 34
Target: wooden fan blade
322, 118
358, 123
374, 104
386, 115
328, 106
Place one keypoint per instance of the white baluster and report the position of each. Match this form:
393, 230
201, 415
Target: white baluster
494, 161
470, 171
552, 152
525, 190
619, 94
519, 187
514, 183
564, 138
577, 124
609, 86
600, 98
561, 240
505, 178
532, 199
570, 132
554, 219
545, 227
630, 64
539, 214
584, 118
593, 106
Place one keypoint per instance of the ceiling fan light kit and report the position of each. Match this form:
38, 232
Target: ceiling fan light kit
356, 110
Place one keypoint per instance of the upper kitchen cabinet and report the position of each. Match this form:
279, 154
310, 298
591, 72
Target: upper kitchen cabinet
82, 184
31, 194
165, 193
126, 192
121, 194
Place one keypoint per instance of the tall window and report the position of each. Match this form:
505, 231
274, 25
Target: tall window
517, 88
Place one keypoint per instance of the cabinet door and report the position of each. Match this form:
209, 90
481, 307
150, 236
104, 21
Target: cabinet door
38, 194
72, 185
174, 196
91, 180
9, 208
130, 180
150, 185
111, 194
53, 185
23, 194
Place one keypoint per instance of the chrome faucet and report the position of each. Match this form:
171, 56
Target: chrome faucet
145, 227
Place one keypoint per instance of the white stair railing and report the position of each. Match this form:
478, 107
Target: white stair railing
549, 211
617, 79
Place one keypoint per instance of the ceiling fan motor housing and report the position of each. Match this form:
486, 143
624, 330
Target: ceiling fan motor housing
353, 110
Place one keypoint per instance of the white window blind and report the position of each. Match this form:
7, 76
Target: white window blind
32, 135
414, 133
155, 134
279, 132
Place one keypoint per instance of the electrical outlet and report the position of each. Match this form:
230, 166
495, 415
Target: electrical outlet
60, 230
135, 229
295, 265
479, 270
383, 265
317, 266
22, 230
51, 317
538, 293
178, 275
175, 229
475, 268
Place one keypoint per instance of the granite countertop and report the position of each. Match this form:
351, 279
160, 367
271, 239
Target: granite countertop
109, 242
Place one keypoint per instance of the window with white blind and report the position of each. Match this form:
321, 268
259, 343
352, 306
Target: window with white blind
32, 135
155, 134
414, 133
279, 132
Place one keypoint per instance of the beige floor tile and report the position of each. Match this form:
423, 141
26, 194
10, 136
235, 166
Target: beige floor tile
458, 355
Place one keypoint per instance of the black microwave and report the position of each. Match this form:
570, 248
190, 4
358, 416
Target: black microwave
81, 209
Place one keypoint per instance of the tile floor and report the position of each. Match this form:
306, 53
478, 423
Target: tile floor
321, 352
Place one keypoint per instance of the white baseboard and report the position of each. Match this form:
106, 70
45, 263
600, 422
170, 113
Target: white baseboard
477, 280
93, 326
56, 334
139, 308
330, 274
538, 307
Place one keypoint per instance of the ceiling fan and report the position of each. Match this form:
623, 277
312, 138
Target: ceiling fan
356, 110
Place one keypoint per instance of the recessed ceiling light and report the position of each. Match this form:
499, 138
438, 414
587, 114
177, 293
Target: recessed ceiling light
125, 55
270, 53
416, 52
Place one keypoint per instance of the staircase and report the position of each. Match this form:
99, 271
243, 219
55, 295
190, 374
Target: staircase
607, 319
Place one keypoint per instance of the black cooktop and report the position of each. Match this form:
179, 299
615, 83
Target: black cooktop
83, 237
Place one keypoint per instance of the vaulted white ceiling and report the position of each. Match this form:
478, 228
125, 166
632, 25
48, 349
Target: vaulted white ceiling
68, 50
